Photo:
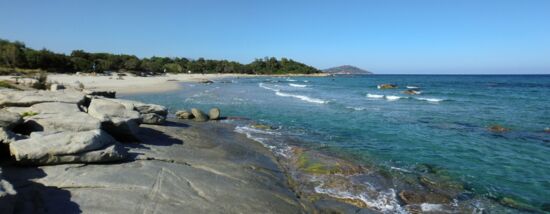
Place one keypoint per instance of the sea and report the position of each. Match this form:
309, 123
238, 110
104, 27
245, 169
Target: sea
488, 133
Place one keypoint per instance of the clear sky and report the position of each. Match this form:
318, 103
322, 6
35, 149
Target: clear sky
384, 36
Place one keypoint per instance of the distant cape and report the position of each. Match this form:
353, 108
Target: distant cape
346, 69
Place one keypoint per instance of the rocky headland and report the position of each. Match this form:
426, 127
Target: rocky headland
70, 151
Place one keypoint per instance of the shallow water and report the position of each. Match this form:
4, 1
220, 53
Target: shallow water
446, 126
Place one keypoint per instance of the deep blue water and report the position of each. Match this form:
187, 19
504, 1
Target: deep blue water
445, 126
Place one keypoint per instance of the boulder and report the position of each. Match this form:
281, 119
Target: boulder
7, 195
120, 122
29, 98
387, 86
199, 115
56, 117
214, 114
8, 119
184, 114
66, 147
149, 113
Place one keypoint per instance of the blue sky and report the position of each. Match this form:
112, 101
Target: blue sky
384, 36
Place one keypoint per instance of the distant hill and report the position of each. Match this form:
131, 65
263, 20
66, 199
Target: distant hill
346, 69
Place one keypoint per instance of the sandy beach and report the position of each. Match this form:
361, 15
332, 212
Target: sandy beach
130, 84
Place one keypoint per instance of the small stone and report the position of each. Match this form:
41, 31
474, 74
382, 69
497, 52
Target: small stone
214, 114
199, 115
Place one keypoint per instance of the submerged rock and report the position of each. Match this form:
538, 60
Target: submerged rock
214, 114
116, 119
498, 128
387, 86
9, 120
66, 147
317, 163
184, 114
199, 115
416, 197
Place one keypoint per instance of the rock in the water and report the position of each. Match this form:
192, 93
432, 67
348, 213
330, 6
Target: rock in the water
149, 113
184, 114
7, 195
498, 128
206, 81
199, 115
56, 117
29, 98
214, 114
387, 86
412, 92
65, 147
9, 120
414, 197
120, 122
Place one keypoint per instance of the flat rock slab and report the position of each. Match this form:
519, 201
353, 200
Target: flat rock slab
29, 98
65, 147
55, 117
178, 168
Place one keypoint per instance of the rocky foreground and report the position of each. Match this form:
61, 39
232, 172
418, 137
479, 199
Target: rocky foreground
70, 151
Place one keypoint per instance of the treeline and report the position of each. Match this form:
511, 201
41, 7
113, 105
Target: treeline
17, 55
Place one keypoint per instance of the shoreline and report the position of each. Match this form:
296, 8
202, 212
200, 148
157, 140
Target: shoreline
143, 85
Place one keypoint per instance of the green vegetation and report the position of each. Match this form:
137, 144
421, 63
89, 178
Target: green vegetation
6, 84
28, 114
16, 57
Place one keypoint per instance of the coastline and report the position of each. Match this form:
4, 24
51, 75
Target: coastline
142, 85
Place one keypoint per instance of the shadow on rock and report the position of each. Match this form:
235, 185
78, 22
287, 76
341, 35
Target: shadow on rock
33, 197
149, 136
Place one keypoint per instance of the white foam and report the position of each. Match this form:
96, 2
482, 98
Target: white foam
268, 88
426, 207
412, 87
297, 85
385, 201
302, 97
291, 80
435, 100
356, 108
400, 169
392, 98
375, 96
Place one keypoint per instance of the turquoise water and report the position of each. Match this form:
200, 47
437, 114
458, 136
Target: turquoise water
446, 126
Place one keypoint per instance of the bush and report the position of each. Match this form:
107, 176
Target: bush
41, 81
